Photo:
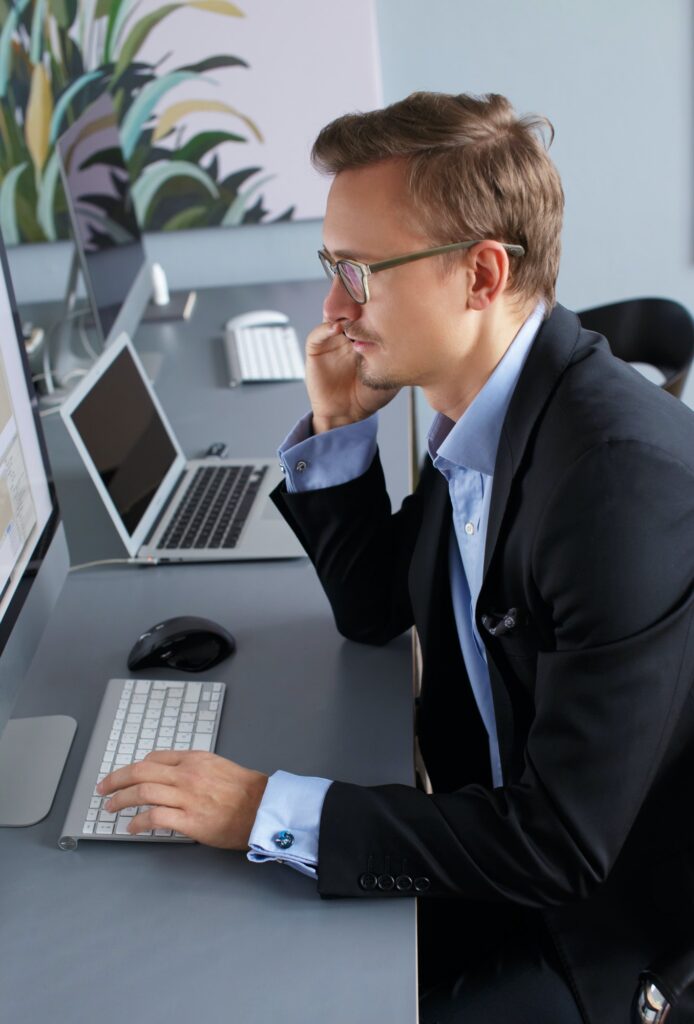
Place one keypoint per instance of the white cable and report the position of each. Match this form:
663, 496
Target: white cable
114, 561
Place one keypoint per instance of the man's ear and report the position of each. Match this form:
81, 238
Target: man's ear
488, 265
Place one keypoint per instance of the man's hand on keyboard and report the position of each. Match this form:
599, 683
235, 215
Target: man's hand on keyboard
203, 796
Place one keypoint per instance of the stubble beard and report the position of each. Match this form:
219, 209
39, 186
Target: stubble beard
370, 380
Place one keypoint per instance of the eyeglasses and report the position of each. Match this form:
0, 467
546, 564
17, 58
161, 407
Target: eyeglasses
354, 275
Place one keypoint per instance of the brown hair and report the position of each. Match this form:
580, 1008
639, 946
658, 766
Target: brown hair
475, 170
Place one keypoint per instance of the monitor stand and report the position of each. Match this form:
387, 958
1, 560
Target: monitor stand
66, 365
60, 363
33, 752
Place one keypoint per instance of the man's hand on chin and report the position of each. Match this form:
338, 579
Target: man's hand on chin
206, 797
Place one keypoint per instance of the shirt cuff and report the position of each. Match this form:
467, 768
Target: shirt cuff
287, 824
313, 461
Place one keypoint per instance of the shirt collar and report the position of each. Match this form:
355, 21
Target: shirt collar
472, 442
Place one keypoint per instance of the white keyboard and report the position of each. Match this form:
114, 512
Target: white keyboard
136, 717
266, 353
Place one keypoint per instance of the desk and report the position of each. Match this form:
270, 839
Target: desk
177, 934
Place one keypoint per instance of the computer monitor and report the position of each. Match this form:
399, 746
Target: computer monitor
108, 241
33, 567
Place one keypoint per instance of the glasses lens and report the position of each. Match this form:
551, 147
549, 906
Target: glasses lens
327, 266
352, 279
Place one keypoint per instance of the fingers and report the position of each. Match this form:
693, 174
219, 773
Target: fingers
167, 756
154, 768
160, 817
145, 793
322, 334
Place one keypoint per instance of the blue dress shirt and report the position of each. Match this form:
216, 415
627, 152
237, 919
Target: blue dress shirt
465, 454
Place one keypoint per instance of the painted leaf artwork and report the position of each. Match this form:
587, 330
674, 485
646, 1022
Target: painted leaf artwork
207, 136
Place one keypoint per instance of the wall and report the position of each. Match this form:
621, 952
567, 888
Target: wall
615, 79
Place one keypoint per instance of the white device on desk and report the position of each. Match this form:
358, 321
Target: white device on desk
262, 346
136, 717
166, 508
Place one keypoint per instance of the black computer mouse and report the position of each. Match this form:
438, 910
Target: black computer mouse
186, 642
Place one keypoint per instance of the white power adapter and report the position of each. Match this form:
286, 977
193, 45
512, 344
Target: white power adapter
160, 288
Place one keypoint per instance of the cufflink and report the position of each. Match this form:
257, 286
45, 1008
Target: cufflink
301, 466
283, 839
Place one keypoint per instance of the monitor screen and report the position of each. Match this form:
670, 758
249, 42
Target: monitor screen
33, 568
104, 224
28, 509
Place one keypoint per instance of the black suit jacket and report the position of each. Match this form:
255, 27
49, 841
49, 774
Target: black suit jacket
591, 539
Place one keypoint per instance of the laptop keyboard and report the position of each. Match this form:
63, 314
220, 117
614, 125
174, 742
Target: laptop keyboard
214, 508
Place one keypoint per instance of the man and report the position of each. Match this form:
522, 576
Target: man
545, 558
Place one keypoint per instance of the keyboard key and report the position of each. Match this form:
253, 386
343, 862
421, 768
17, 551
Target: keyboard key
106, 816
104, 828
88, 828
95, 803
122, 826
201, 742
206, 716
204, 727
162, 832
193, 691
92, 815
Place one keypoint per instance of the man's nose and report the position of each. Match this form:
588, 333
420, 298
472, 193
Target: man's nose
339, 305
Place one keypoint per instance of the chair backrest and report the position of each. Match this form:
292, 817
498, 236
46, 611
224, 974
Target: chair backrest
655, 331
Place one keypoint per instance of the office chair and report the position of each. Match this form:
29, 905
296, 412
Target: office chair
659, 332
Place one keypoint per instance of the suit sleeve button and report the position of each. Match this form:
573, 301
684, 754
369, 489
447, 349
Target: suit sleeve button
386, 882
421, 884
368, 881
403, 883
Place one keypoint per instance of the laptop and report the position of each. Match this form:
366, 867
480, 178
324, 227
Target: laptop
167, 508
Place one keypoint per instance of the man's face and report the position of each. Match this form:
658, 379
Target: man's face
412, 330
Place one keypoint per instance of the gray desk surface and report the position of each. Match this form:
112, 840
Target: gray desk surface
173, 934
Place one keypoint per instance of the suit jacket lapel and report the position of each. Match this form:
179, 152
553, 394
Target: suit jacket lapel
547, 360
429, 556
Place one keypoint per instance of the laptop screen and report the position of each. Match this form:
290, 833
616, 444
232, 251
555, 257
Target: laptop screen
126, 440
